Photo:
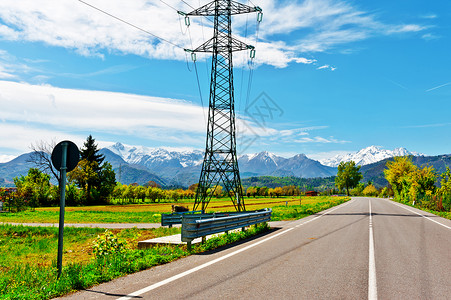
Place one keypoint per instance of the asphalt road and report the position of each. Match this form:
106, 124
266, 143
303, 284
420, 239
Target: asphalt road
367, 248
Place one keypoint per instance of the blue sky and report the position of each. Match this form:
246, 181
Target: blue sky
338, 75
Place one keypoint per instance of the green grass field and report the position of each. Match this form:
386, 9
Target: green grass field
143, 213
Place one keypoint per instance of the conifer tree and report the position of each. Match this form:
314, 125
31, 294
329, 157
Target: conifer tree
93, 175
90, 152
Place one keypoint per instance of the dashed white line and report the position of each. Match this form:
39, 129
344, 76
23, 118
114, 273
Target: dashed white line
372, 284
183, 274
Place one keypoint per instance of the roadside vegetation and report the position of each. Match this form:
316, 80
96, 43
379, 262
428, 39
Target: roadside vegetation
91, 256
418, 186
293, 212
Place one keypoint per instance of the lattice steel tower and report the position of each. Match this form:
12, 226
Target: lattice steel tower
220, 164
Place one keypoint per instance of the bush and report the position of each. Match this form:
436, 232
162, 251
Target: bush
108, 244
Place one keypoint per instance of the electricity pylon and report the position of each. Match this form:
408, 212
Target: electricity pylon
220, 165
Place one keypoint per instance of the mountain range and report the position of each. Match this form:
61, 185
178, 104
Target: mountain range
170, 167
368, 156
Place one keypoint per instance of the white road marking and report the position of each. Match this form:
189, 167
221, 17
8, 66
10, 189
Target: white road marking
183, 274
178, 276
372, 285
402, 206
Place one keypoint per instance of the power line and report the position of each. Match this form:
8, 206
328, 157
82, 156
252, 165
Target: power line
130, 24
187, 4
168, 5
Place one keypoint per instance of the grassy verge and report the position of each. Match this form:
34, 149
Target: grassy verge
293, 212
28, 271
443, 214
82, 216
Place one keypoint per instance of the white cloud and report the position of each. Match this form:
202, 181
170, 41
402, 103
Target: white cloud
429, 16
429, 36
326, 67
32, 113
320, 140
406, 28
6, 158
71, 24
105, 111
19, 138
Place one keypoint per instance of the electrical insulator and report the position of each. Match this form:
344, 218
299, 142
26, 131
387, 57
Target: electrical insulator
193, 56
259, 17
252, 53
187, 23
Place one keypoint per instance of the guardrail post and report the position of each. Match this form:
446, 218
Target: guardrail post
188, 244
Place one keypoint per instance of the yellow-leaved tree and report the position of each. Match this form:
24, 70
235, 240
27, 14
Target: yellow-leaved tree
409, 182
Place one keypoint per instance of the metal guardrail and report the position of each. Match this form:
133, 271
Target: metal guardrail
193, 227
176, 217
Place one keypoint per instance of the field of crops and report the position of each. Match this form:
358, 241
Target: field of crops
143, 213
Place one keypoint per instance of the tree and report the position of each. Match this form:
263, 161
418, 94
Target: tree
348, 175
409, 182
33, 188
370, 190
152, 183
251, 191
90, 151
278, 191
218, 193
84, 175
93, 175
41, 157
398, 172
445, 189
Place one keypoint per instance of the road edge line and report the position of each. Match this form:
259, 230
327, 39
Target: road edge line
403, 206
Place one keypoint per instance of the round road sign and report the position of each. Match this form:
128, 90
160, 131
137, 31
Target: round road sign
72, 158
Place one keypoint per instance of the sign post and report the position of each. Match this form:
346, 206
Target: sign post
65, 157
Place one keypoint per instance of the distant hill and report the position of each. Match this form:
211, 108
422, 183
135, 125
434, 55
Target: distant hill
318, 184
375, 171
14, 168
130, 173
181, 168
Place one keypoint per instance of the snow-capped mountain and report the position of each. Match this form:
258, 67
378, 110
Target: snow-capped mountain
172, 164
263, 162
367, 156
156, 158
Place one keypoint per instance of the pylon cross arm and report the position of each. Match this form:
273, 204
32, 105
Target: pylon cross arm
209, 45
235, 8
